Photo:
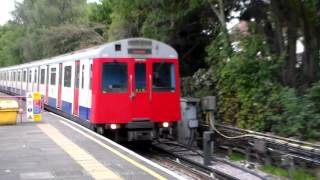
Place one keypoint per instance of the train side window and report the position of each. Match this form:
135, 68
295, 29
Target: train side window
90, 83
163, 77
114, 77
67, 76
77, 74
30, 76
42, 75
82, 77
35, 76
53, 76
24, 76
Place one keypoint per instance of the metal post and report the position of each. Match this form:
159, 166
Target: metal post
290, 168
212, 121
288, 163
248, 152
207, 147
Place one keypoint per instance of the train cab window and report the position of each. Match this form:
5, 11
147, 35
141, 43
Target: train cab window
42, 75
53, 76
67, 76
140, 77
163, 77
114, 77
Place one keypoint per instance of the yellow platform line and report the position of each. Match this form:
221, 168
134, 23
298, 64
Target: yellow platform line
84, 159
130, 160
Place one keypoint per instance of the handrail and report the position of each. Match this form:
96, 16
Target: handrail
150, 88
131, 96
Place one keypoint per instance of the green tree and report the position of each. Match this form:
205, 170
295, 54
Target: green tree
10, 38
46, 13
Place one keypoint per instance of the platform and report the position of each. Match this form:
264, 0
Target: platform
57, 148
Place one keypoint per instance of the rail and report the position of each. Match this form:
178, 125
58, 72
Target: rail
295, 148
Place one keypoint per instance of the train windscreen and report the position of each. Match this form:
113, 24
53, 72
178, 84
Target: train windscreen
114, 77
140, 77
163, 77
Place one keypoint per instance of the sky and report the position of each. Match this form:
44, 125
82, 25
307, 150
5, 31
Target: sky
7, 6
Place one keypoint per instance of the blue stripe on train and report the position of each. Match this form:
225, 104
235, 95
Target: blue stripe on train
66, 107
84, 112
52, 102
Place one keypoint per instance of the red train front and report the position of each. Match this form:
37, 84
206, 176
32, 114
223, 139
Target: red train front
128, 88
135, 90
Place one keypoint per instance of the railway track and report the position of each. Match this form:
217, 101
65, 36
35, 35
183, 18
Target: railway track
193, 166
192, 159
294, 148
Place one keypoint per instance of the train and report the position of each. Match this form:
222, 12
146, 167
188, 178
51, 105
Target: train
127, 89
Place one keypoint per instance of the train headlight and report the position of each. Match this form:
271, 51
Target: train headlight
165, 124
113, 126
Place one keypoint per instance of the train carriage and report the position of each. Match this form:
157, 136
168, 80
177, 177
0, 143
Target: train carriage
128, 87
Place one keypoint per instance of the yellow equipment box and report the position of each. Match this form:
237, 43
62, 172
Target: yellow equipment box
8, 112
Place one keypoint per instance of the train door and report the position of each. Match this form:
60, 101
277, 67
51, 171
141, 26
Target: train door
27, 80
111, 83
165, 91
35, 80
21, 81
67, 87
53, 85
76, 89
140, 91
84, 89
47, 85
24, 81
38, 79
59, 103
31, 80
42, 80
14, 82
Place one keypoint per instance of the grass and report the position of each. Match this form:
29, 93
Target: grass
235, 156
298, 173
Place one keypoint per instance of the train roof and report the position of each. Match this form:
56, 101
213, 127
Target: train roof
120, 48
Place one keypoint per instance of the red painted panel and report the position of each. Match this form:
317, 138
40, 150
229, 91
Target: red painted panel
120, 108
165, 106
76, 102
140, 101
59, 103
109, 107
76, 89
